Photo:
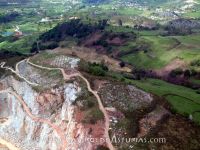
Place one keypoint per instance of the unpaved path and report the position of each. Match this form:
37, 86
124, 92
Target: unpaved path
38, 119
56, 128
101, 107
8, 144
2, 65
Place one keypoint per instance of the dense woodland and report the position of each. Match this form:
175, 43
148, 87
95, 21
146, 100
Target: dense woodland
182, 26
74, 28
4, 18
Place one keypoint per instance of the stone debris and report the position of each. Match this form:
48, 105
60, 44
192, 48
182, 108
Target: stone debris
65, 62
150, 121
125, 97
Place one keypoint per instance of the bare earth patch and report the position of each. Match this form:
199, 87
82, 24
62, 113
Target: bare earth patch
176, 63
90, 55
151, 120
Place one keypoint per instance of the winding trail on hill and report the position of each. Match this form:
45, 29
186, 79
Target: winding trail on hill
38, 119
2, 65
101, 107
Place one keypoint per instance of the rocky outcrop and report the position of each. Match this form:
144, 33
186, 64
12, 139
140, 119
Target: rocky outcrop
124, 97
27, 133
151, 120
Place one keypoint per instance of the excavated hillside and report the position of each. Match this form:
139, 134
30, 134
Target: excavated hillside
47, 104
40, 112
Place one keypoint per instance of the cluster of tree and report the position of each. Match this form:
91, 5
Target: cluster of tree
136, 74
75, 28
38, 46
106, 40
94, 68
140, 46
8, 54
147, 27
182, 26
186, 73
4, 18
196, 63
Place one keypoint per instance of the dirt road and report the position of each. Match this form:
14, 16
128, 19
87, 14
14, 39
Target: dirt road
41, 120
101, 107
8, 144
38, 119
2, 65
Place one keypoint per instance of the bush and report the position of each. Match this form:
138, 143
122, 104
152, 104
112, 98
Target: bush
101, 147
93, 116
122, 64
52, 45
88, 103
196, 63
187, 73
94, 69
176, 72
198, 91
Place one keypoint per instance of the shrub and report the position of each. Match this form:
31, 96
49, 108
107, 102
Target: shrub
122, 64
101, 147
176, 72
198, 91
52, 45
96, 70
93, 116
196, 63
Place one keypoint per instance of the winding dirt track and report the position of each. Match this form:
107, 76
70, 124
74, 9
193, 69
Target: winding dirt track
2, 65
8, 144
101, 107
41, 120
38, 119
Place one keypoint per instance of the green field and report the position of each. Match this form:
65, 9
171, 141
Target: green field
164, 50
22, 45
183, 100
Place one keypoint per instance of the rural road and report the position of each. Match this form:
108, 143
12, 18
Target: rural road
8, 144
2, 65
101, 107
38, 119
41, 120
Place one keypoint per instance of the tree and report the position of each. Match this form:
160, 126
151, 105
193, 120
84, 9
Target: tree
122, 64
120, 22
187, 73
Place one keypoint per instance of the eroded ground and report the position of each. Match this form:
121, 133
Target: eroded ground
47, 104
45, 116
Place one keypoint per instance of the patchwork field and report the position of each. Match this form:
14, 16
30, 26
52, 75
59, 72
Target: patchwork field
163, 50
183, 100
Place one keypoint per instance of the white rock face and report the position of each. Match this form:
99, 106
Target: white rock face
26, 133
70, 95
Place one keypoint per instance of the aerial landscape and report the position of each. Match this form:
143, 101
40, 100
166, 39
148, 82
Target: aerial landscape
99, 74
